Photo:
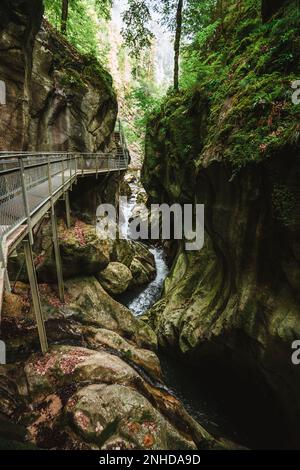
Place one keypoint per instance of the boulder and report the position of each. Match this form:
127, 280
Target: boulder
83, 252
141, 357
137, 257
83, 399
118, 417
89, 304
115, 278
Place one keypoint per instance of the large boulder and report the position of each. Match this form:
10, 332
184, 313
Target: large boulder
82, 399
118, 417
115, 278
83, 253
137, 257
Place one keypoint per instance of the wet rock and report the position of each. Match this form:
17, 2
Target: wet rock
143, 358
117, 416
89, 304
115, 278
137, 257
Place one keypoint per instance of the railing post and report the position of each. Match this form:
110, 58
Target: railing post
82, 165
6, 278
35, 296
68, 212
59, 272
76, 167
97, 163
25, 199
70, 163
63, 172
49, 179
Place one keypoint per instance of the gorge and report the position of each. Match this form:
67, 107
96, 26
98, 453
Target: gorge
155, 347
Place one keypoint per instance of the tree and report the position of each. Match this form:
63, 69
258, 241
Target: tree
64, 15
80, 21
63, 10
177, 44
137, 33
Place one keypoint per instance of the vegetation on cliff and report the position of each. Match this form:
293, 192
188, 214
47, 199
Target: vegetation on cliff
229, 139
243, 69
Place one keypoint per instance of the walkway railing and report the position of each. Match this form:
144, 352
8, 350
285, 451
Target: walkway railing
30, 181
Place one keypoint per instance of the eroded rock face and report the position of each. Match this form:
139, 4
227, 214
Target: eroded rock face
115, 278
106, 395
56, 98
86, 399
235, 304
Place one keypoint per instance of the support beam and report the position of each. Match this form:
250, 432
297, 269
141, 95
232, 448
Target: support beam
25, 199
35, 296
60, 280
5, 273
68, 212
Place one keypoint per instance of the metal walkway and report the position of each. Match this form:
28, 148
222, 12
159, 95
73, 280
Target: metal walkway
32, 183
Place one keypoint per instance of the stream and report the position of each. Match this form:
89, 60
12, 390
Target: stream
209, 396
183, 382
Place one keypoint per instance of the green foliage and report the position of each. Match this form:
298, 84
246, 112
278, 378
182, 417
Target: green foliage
245, 68
136, 31
144, 98
86, 21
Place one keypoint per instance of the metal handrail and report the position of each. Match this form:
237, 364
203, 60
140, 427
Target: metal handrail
25, 179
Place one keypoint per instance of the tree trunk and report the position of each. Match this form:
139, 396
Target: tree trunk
177, 44
64, 15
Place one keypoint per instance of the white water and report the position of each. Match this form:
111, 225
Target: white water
143, 300
140, 300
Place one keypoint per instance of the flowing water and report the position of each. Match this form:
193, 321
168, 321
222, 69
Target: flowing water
140, 300
209, 396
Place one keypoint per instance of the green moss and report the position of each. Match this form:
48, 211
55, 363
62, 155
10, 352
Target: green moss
79, 70
73, 80
245, 77
284, 204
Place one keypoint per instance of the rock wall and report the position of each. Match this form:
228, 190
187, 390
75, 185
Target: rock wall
57, 99
235, 305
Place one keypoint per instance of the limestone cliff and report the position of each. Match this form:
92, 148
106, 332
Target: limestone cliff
232, 143
57, 99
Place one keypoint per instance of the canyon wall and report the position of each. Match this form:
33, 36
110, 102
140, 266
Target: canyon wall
57, 99
232, 143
